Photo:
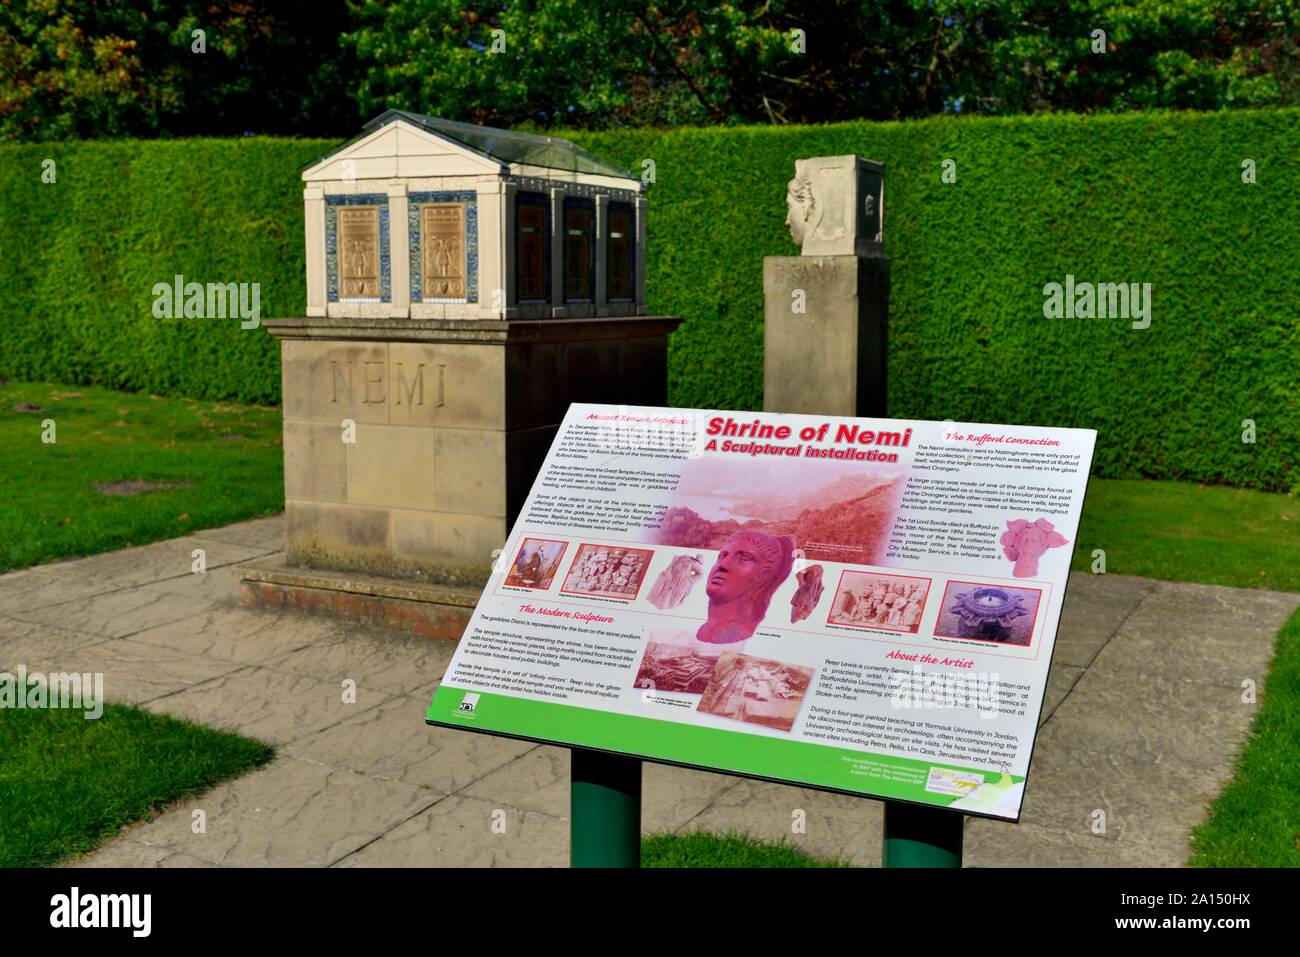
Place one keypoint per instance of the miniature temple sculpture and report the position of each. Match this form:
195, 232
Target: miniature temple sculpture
429, 218
438, 257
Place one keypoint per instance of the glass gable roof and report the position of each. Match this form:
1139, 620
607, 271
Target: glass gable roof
507, 146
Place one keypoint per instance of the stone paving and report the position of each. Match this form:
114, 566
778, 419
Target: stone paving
1143, 719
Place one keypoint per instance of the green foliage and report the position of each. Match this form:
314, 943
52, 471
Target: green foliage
1152, 198
124, 216
564, 62
81, 68
702, 849
633, 62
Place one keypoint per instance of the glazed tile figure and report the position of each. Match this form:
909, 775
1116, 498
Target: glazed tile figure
808, 594
676, 581
1024, 543
750, 567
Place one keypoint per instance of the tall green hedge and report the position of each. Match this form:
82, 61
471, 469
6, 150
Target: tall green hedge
83, 254
1151, 198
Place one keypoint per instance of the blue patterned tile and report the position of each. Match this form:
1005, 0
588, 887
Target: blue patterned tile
332, 243
470, 199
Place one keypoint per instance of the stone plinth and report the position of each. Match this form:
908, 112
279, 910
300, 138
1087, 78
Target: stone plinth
828, 359
448, 420
414, 607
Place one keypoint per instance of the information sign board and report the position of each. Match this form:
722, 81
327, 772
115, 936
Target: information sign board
863, 605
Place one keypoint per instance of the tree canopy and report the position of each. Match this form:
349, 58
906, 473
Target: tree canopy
80, 68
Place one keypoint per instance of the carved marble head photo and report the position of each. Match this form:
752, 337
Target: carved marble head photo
750, 568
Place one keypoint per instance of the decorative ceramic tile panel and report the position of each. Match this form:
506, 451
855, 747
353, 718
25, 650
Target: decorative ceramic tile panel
358, 260
443, 231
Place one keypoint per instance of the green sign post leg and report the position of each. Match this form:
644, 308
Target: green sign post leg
605, 810
918, 836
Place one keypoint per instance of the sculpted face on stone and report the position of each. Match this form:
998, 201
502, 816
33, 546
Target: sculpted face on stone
835, 206
750, 567
800, 203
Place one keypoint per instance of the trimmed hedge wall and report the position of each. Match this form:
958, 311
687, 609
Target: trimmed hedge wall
83, 255
1148, 198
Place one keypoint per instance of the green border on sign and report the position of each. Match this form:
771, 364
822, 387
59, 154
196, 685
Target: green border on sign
797, 762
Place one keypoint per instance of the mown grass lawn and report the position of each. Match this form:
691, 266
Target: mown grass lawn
701, 849
216, 462
68, 783
1180, 531
1255, 822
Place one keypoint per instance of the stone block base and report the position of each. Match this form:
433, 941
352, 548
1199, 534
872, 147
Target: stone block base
824, 334
435, 611
410, 446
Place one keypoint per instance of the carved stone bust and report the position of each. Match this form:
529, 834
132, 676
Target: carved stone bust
835, 206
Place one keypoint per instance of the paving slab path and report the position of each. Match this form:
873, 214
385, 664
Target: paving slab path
1143, 720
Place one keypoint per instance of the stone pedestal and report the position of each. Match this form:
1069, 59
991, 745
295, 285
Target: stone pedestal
830, 358
449, 422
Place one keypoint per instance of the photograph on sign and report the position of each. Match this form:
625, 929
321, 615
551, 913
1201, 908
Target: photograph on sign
535, 563
862, 605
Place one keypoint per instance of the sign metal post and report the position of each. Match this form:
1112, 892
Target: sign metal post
605, 810
917, 836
